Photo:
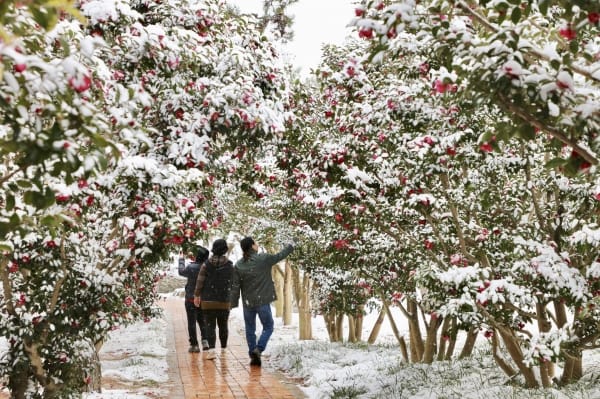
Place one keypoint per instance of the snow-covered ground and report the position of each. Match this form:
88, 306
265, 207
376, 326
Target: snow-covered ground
138, 354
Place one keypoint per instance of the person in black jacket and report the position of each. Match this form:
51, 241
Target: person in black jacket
193, 313
252, 276
213, 294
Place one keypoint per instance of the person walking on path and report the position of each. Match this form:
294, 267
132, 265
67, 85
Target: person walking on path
213, 294
252, 276
193, 313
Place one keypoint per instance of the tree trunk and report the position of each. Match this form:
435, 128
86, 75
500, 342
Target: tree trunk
469, 345
546, 367
359, 322
302, 284
339, 321
430, 346
278, 280
444, 340
288, 295
330, 324
395, 330
352, 329
508, 370
416, 340
377, 326
514, 350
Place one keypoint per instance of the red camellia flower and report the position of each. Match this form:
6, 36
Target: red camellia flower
486, 147
428, 244
19, 68
365, 33
80, 84
594, 17
340, 244
597, 196
568, 33
13, 267
359, 12
62, 197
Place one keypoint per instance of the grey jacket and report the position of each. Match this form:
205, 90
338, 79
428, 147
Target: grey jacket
253, 278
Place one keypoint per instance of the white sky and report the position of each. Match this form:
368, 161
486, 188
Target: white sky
315, 22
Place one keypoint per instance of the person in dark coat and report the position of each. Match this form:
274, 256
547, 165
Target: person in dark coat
213, 293
193, 313
252, 276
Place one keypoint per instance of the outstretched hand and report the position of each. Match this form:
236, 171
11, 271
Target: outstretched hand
197, 302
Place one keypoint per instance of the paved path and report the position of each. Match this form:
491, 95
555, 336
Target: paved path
229, 376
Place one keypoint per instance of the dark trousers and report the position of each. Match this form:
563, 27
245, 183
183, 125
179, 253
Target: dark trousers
194, 316
212, 318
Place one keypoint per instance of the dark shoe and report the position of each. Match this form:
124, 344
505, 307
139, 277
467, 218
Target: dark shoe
194, 349
255, 357
204, 345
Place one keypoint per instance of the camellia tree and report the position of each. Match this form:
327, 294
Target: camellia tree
483, 225
110, 131
478, 215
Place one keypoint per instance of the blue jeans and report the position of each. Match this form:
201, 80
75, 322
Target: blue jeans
266, 319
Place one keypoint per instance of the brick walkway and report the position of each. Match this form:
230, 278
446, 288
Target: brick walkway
229, 376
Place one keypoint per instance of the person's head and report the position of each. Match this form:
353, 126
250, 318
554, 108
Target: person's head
201, 255
247, 244
219, 247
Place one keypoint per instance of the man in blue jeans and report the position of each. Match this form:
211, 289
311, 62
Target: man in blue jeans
252, 276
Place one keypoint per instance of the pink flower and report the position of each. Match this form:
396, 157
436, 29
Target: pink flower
80, 84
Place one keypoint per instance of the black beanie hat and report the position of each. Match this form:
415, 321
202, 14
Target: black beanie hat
219, 247
202, 254
246, 244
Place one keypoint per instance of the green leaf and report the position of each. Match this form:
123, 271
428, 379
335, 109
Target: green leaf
10, 202
543, 6
526, 132
515, 16
555, 163
574, 46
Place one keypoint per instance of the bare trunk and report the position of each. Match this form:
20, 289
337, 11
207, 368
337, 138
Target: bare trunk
278, 280
512, 346
404, 350
393, 323
359, 323
287, 296
546, 367
430, 346
417, 348
339, 320
508, 370
352, 329
444, 340
302, 284
377, 326
469, 345
330, 323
